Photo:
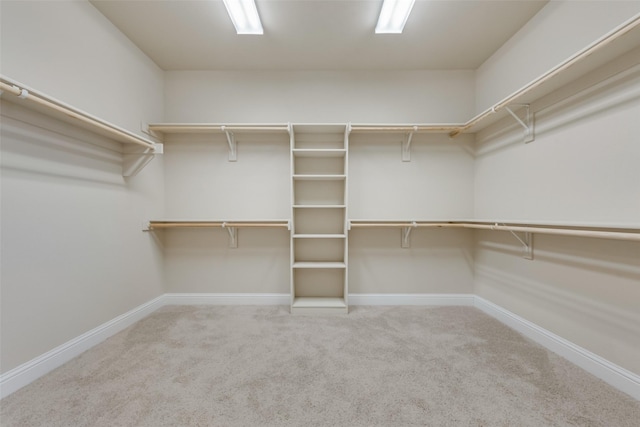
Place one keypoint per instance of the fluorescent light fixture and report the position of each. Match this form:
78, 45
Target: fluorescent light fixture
244, 16
393, 16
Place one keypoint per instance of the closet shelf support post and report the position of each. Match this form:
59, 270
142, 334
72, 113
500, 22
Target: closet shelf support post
527, 123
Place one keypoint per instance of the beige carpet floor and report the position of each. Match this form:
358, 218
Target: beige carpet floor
260, 366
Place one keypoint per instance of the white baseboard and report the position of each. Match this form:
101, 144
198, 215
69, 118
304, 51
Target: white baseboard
226, 299
610, 373
614, 375
30, 371
411, 299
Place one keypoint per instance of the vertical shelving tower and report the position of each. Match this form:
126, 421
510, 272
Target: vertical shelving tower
319, 241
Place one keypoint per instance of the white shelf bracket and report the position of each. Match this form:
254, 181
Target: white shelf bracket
406, 235
527, 244
233, 235
527, 123
233, 146
135, 158
406, 145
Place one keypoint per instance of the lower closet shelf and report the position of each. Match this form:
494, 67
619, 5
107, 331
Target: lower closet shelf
319, 303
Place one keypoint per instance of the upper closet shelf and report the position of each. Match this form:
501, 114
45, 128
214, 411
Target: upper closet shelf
258, 223
217, 128
134, 160
229, 130
320, 152
617, 42
389, 128
231, 226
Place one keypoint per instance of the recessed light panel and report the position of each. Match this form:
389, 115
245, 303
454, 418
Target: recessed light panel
393, 16
244, 16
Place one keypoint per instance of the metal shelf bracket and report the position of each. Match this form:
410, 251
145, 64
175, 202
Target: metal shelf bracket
233, 235
135, 158
526, 123
406, 145
527, 243
233, 146
406, 235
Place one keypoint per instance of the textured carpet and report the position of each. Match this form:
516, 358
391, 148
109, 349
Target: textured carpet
260, 366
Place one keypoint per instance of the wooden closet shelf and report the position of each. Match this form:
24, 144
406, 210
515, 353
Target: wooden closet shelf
219, 224
216, 128
50, 106
320, 265
319, 302
566, 230
319, 177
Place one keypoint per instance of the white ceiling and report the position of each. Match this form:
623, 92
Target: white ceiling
318, 35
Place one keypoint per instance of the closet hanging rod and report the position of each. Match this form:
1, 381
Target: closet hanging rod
154, 224
204, 127
564, 231
584, 53
618, 235
257, 224
50, 103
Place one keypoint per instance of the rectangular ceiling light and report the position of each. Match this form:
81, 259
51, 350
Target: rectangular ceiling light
393, 16
244, 16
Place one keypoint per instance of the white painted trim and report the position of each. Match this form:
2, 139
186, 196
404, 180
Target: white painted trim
411, 299
612, 374
30, 371
227, 299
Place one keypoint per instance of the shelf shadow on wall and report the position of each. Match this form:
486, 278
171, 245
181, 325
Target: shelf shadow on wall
583, 101
616, 258
32, 151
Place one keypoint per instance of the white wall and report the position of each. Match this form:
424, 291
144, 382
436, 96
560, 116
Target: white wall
436, 184
73, 253
437, 261
319, 96
70, 51
201, 184
558, 31
582, 168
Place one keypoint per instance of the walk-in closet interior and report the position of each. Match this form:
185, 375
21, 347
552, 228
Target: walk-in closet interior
149, 160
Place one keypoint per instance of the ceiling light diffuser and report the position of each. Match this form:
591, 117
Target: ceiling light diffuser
393, 16
244, 16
